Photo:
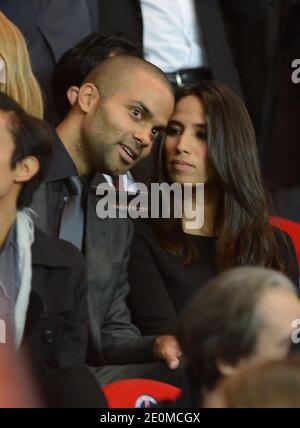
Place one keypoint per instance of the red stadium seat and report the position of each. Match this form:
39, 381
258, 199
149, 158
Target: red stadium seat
292, 229
133, 393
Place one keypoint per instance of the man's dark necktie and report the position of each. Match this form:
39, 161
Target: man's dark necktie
72, 220
118, 182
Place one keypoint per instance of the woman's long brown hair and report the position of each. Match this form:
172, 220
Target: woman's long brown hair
244, 235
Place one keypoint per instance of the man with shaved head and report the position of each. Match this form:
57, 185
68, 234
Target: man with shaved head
119, 111
126, 103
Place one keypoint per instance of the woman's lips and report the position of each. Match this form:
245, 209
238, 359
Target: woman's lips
181, 165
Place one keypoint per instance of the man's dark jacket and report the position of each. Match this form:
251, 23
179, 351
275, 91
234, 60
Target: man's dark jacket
113, 337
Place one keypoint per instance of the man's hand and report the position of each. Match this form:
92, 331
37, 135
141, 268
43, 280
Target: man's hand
166, 348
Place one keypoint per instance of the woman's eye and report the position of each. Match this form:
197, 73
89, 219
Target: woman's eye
136, 113
172, 131
201, 135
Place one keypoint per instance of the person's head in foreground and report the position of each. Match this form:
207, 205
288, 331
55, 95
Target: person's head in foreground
243, 316
275, 384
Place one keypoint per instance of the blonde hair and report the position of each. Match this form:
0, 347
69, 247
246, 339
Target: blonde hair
21, 85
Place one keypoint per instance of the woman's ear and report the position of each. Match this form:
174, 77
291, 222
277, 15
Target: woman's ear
72, 94
88, 97
26, 169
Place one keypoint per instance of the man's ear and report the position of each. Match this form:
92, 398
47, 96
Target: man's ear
72, 94
88, 96
26, 169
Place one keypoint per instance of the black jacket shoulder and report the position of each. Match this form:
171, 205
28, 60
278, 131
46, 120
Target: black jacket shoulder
50, 251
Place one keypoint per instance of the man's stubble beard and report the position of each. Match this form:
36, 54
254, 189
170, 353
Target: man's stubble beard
93, 151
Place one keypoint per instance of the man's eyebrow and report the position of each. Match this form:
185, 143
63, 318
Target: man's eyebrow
144, 107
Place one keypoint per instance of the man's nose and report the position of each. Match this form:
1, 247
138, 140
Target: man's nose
144, 136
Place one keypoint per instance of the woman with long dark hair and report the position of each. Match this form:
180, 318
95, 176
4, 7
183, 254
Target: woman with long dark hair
210, 139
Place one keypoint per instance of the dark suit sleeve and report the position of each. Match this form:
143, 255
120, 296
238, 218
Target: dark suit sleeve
122, 342
71, 341
151, 307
